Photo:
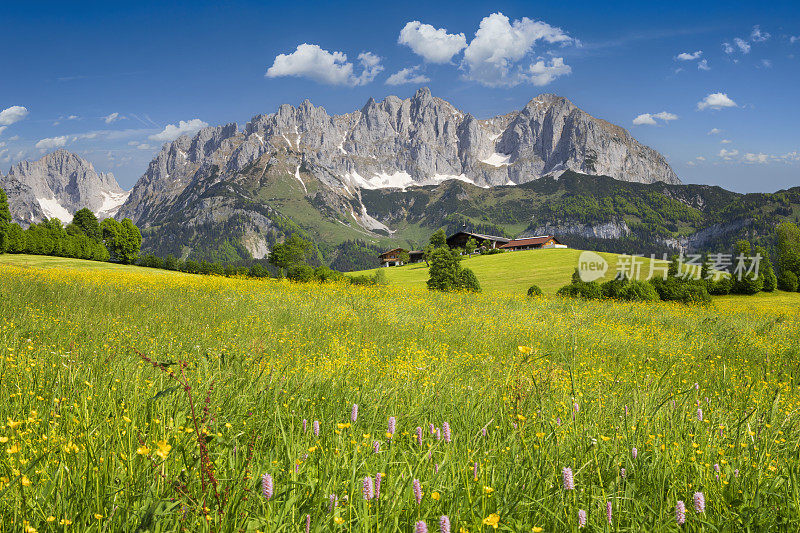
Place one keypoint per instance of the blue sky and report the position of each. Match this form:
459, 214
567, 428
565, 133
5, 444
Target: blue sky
113, 81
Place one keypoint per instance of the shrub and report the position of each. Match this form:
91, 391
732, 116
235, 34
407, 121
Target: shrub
720, 287
612, 288
323, 273
787, 281
380, 278
588, 290
302, 273
534, 291
695, 294
467, 281
681, 290
638, 291
361, 279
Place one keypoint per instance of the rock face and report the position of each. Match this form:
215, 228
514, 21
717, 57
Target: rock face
56, 186
397, 143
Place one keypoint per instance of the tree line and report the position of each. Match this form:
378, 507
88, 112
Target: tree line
83, 238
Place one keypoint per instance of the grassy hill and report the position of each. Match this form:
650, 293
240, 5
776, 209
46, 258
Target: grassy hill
511, 272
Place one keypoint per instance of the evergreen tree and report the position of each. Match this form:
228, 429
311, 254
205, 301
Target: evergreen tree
290, 253
439, 238
765, 271
5, 212
87, 222
471, 246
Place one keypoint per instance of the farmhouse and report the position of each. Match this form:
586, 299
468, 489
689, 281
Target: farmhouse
395, 257
459, 240
533, 243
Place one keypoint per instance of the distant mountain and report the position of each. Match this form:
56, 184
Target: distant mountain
421, 140
397, 170
56, 186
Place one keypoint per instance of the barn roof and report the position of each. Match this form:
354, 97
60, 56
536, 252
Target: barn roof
480, 236
530, 241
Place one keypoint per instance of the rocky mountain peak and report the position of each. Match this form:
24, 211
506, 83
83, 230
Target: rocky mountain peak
57, 185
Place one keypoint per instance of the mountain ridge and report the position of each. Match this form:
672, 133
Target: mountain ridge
57, 185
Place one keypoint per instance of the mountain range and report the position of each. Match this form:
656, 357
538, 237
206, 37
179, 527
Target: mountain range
390, 174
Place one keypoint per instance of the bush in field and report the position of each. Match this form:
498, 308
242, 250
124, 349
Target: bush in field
304, 273
720, 287
534, 291
683, 290
612, 288
446, 273
637, 291
787, 281
467, 281
582, 289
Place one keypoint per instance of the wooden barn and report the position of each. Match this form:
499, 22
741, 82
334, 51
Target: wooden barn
459, 240
393, 257
533, 243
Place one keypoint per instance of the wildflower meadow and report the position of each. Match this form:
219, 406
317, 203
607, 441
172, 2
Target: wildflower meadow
149, 401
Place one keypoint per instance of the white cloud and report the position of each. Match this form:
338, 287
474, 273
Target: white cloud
145, 146
12, 114
644, 119
727, 155
794, 38
499, 45
112, 118
665, 116
649, 119
756, 158
757, 36
52, 142
434, 45
2, 129
714, 131
14, 138
766, 63
727, 48
700, 158
407, 75
725, 141
743, 45
791, 156
72, 117
687, 56
703, 65
311, 61
172, 132
541, 73
716, 101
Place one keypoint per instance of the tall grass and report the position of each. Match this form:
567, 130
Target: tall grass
98, 438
